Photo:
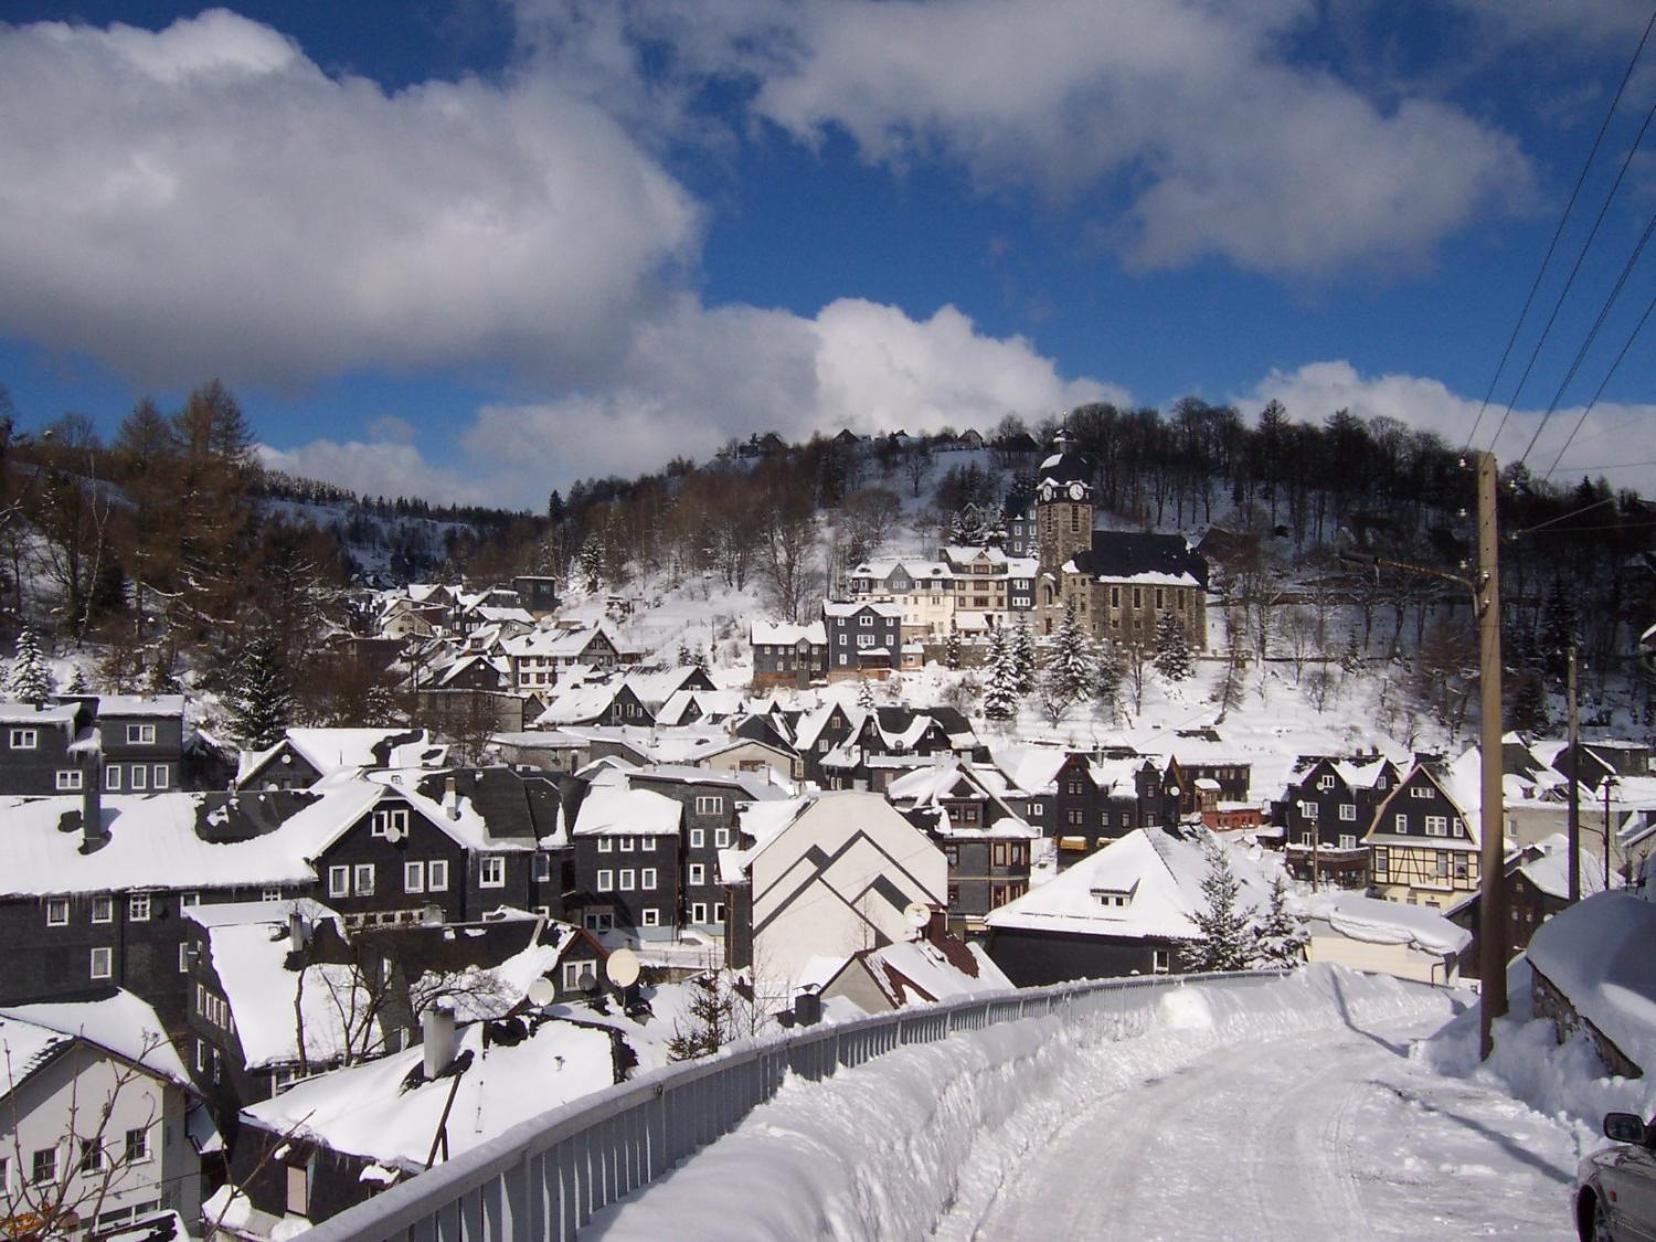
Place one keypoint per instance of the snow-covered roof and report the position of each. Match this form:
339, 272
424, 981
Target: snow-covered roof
1547, 866
834, 608
609, 811
122, 1023
14, 713
337, 750
1159, 872
249, 947
751, 786
787, 634
388, 1112
1386, 922
1597, 953
918, 972
140, 705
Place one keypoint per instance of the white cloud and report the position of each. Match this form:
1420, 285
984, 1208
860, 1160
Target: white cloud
1189, 111
1314, 391
205, 200
695, 378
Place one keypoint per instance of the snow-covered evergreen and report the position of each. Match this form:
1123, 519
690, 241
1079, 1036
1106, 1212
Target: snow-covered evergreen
1280, 936
1226, 943
1071, 672
1107, 675
1000, 700
261, 700
1023, 655
30, 680
951, 648
1173, 660
865, 695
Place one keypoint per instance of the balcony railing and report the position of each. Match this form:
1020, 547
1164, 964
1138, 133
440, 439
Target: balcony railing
545, 1178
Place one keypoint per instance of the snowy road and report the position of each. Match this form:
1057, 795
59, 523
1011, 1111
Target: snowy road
1322, 1135
1286, 1110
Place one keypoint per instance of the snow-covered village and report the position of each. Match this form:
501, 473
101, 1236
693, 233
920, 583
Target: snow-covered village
863, 619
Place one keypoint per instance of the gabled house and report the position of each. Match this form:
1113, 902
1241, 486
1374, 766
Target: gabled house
1081, 801
788, 655
47, 750
864, 638
821, 876
1126, 909
1423, 842
628, 846
101, 1119
141, 742
1327, 811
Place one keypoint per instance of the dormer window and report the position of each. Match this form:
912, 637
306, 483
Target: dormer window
1114, 898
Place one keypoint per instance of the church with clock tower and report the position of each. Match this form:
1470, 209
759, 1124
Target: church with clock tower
1122, 582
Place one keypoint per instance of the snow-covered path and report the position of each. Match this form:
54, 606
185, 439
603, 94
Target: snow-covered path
1321, 1135
1287, 1109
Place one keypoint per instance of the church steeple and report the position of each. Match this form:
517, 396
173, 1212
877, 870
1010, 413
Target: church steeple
1063, 504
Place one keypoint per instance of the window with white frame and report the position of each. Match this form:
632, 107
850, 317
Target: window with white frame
698, 912
1437, 825
102, 963
543, 868
1460, 828
491, 873
1401, 822
339, 881
867, 640
25, 739
865, 620
698, 873
1161, 961
709, 804
1325, 781
137, 1145
606, 881
718, 912
627, 876
721, 837
138, 777
68, 780
605, 845
57, 912
1420, 791
647, 878
103, 909
138, 907
413, 877
140, 735
628, 845
698, 838
270, 894
362, 878
184, 958
1348, 811
112, 778
1308, 810
649, 917
387, 819
437, 875
160, 777
1348, 840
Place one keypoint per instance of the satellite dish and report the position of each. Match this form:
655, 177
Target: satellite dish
541, 991
622, 968
395, 833
917, 914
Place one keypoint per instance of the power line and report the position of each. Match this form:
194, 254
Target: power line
1592, 333
1557, 233
1575, 270
1627, 345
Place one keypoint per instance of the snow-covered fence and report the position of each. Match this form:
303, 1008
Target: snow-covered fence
547, 1177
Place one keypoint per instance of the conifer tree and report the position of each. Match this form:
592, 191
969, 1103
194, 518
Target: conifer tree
709, 1021
1107, 675
161, 679
589, 568
1023, 656
951, 648
31, 680
77, 682
1280, 938
1071, 673
1529, 709
865, 695
1559, 625
261, 700
1226, 943
1000, 700
1172, 649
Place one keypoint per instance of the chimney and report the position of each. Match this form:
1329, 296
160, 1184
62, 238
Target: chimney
451, 799
93, 833
296, 931
437, 1037
807, 1007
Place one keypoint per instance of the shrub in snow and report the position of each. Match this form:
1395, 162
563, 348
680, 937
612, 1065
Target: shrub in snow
1226, 943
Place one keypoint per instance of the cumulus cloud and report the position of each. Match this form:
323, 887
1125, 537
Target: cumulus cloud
380, 467
206, 200
1318, 389
1191, 113
697, 377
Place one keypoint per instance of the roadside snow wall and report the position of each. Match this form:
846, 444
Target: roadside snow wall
878, 1152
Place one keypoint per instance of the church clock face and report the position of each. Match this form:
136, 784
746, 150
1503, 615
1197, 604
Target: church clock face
1075, 491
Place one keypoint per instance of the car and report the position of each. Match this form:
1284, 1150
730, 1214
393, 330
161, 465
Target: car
1615, 1190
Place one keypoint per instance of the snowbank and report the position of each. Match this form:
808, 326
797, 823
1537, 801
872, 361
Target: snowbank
819, 1159
1597, 953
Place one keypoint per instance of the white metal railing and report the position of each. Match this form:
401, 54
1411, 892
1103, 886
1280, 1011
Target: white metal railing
544, 1178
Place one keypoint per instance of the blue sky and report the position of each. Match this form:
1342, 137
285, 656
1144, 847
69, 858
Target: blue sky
476, 249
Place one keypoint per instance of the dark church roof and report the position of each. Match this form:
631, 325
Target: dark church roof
1063, 464
1125, 554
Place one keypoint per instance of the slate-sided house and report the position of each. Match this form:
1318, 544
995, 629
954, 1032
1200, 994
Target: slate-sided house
824, 876
66, 1064
1127, 909
46, 750
788, 655
864, 638
1327, 810
1423, 841
628, 845
141, 741
1081, 801
712, 803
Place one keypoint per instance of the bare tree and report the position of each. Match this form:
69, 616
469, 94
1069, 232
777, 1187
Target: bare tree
917, 465
789, 538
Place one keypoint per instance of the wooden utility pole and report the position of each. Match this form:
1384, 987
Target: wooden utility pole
1492, 922
1575, 784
